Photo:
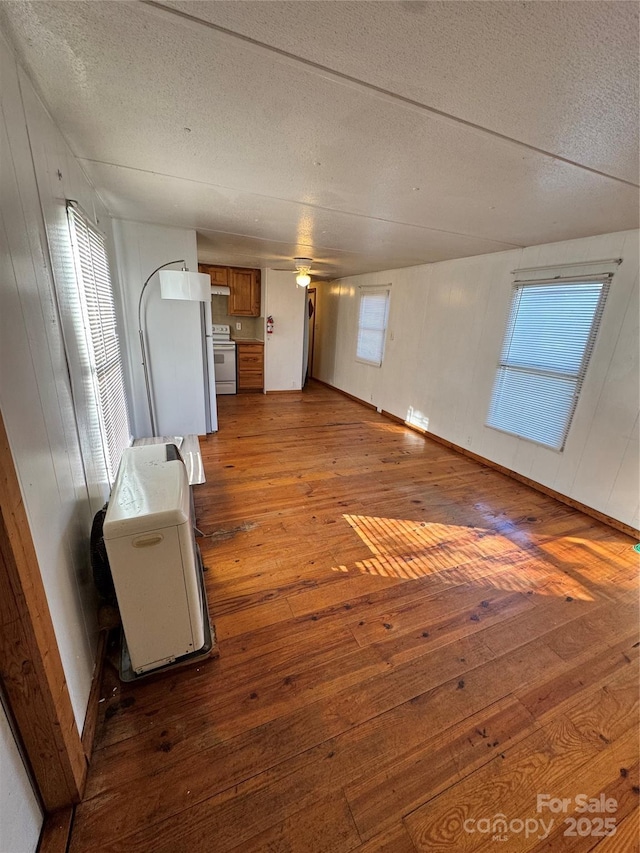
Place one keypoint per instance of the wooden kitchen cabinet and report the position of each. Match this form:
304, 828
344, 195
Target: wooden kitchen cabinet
250, 365
218, 275
244, 300
244, 286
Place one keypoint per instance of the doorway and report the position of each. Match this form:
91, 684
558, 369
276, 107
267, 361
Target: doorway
311, 330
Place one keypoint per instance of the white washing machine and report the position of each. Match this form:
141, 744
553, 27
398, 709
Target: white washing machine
154, 560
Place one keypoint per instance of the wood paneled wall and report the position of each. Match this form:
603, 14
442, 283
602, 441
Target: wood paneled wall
446, 326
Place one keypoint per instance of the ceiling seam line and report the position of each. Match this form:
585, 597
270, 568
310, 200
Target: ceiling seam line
302, 204
202, 230
332, 248
387, 93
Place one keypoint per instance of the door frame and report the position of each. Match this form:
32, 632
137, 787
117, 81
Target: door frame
31, 672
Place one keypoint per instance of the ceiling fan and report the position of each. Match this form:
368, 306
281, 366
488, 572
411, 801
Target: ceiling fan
303, 269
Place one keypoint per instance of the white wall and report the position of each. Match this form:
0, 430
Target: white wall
283, 350
21, 815
446, 325
59, 178
59, 460
62, 480
174, 336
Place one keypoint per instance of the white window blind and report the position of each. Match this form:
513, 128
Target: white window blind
98, 309
550, 335
372, 324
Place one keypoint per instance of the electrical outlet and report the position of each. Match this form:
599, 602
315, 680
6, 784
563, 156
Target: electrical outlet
238, 327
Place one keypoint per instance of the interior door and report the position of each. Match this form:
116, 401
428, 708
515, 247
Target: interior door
311, 338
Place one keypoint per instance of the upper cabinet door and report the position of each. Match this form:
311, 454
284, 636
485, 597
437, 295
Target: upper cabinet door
244, 300
218, 275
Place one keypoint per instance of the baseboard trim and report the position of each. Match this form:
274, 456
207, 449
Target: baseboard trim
56, 831
527, 481
347, 394
91, 718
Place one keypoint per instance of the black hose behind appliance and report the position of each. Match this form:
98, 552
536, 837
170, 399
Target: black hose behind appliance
100, 562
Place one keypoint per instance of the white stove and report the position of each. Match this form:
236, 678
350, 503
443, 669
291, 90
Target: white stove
224, 359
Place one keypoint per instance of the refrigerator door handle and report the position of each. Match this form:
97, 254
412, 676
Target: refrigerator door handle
209, 372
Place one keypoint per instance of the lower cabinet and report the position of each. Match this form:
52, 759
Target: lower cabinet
250, 365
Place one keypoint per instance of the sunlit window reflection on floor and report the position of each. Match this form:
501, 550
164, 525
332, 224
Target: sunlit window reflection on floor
417, 418
406, 549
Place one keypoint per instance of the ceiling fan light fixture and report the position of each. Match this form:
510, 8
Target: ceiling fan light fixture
303, 266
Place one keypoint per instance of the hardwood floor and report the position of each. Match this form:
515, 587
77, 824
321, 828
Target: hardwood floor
410, 644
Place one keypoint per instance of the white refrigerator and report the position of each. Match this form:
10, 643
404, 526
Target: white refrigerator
211, 406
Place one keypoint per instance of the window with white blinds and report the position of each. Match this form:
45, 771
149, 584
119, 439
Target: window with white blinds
550, 334
99, 318
372, 324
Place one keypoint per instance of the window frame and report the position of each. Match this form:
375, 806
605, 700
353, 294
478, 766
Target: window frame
366, 290
576, 377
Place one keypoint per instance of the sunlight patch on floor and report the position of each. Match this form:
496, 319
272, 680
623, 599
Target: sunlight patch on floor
605, 555
407, 549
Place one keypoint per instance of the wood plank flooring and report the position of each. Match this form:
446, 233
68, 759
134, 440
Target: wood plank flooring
410, 645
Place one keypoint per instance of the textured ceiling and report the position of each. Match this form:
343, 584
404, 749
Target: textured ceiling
367, 135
